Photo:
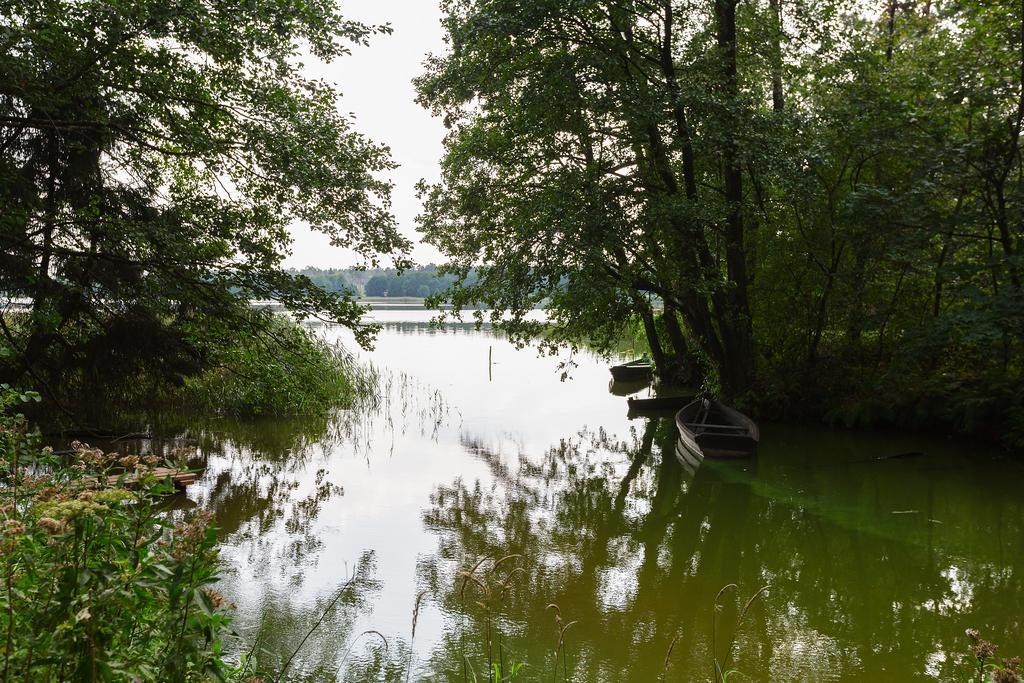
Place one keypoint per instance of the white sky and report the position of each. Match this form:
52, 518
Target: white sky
376, 87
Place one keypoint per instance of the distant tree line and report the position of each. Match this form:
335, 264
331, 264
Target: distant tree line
418, 282
333, 279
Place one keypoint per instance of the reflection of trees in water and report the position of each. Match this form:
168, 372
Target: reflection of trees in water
634, 548
283, 625
575, 517
449, 327
636, 556
916, 589
268, 483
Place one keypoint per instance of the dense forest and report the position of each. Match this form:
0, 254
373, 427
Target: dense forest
826, 195
152, 158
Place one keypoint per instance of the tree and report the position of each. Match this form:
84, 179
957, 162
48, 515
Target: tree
826, 196
601, 164
153, 155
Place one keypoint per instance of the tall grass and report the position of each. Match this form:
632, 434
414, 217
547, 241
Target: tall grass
491, 584
721, 667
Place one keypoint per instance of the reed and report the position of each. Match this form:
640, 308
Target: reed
668, 655
323, 615
721, 670
412, 635
562, 626
290, 370
491, 585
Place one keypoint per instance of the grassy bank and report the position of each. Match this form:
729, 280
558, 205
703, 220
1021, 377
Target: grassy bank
274, 367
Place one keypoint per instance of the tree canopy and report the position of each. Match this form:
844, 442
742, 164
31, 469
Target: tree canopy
818, 191
153, 156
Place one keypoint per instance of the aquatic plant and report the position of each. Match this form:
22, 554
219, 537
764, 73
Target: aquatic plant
562, 626
722, 670
491, 588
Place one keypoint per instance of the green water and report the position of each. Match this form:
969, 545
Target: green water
874, 566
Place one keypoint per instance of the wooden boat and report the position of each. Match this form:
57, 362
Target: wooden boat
657, 405
131, 480
709, 428
633, 371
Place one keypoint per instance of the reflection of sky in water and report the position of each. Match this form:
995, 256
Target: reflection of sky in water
444, 418
458, 462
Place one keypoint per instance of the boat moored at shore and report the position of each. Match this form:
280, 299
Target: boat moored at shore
709, 428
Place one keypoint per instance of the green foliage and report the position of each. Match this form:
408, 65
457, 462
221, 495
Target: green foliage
18, 443
290, 370
97, 583
153, 157
418, 282
828, 199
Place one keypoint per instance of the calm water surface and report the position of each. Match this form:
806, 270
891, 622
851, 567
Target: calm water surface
873, 567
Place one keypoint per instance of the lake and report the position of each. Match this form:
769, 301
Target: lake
581, 522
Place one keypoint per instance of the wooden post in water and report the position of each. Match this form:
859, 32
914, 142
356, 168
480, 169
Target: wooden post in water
490, 363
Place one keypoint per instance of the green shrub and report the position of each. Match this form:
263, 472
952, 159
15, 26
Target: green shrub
96, 583
288, 370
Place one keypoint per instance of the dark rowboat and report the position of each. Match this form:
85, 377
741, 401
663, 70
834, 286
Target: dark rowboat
657, 405
632, 371
709, 428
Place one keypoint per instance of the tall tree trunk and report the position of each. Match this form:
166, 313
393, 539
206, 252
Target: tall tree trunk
651, 332
947, 246
685, 367
821, 317
675, 332
856, 316
734, 322
778, 97
40, 294
686, 235
721, 325
40, 325
890, 28
1012, 154
1005, 237
937, 298
668, 70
